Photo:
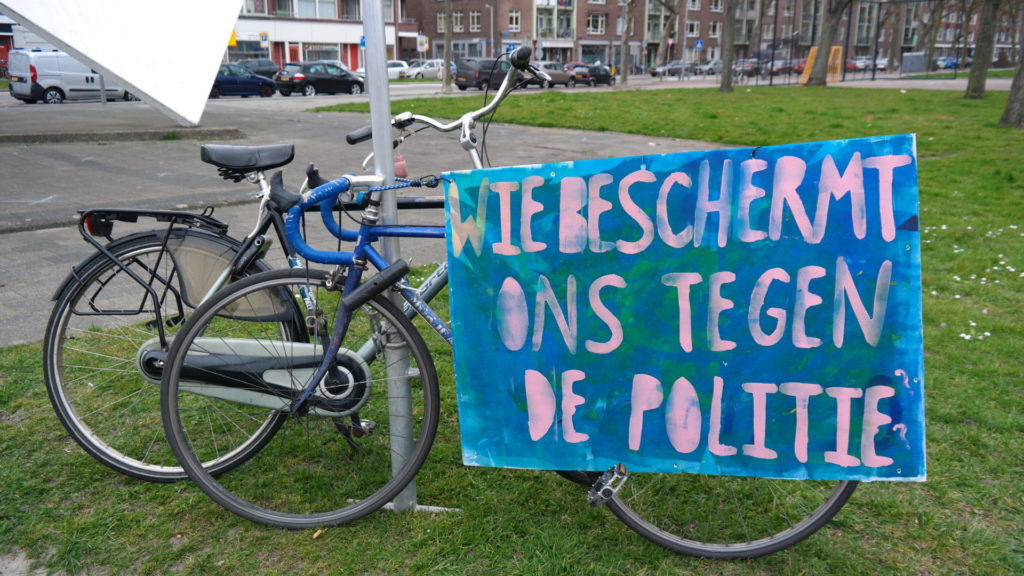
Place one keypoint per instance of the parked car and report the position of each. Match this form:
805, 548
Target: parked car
556, 72
481, 73
395, 67
945, 63
311, 78
425, 69
671, 68
237, 80
746, 67
593, 75
780, 67
709, 68
862, 62
262, 66
570, 66
881, 64
54, 76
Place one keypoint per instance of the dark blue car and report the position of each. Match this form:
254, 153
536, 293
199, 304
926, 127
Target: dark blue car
235, 80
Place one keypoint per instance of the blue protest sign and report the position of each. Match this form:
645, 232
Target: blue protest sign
745, 312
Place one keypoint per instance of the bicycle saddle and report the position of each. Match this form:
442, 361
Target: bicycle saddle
242, 159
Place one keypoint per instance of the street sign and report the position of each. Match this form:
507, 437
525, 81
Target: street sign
698, 45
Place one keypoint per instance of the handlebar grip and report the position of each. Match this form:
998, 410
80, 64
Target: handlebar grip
359, 135
521, 57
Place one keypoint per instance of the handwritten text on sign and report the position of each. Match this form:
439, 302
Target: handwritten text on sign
748, 312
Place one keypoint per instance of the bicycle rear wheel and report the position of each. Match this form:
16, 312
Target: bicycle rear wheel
353, 445
101, 324
726, 516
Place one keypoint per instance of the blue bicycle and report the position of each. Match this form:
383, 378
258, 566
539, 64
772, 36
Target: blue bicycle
355, 397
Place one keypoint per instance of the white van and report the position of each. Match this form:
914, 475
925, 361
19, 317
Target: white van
54, 76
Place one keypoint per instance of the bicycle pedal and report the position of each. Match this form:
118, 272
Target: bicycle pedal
607, 485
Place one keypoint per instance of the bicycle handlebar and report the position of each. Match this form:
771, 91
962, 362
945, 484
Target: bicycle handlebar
327, 194
520, 60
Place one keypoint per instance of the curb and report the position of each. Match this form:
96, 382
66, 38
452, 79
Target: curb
124, 135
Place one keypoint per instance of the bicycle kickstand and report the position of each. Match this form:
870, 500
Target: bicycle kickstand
607, 485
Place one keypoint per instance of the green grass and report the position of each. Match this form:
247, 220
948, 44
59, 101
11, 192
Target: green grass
1004, 73
73, 515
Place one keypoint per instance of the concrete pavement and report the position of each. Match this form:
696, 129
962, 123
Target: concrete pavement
56, 160
44, 184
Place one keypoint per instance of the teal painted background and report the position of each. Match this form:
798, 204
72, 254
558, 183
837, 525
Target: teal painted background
864, 400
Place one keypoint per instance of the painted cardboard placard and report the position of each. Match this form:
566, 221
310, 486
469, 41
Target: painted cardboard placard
749, 312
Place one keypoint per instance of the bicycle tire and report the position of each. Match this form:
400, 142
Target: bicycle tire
90, 351
330, 463
726, 517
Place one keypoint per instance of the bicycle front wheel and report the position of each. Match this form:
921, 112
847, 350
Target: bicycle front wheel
348, 449
726, 516
101, 325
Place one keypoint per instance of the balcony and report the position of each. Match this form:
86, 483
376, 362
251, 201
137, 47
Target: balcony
551, 4
549, 33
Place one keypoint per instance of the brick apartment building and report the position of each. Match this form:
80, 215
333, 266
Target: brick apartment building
594, 30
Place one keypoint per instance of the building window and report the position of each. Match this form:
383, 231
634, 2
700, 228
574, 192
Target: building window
474, 20
255, 7
715, 30
693, 29
513, 20
865, 23
693, 5
595, 1
440, 22
596, 23
457, 22
351, 10
321, 9
717, 6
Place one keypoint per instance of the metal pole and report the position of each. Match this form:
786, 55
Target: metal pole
396, 354
775, 36
846, 50
874, 58
490, 29
685, 36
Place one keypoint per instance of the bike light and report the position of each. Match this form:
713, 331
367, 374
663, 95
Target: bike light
97, 225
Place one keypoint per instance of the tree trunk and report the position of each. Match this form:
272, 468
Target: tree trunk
728, 45
983, 50
933, 33
664, 52
626, 60
895, 36
1013, 115
834, 17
